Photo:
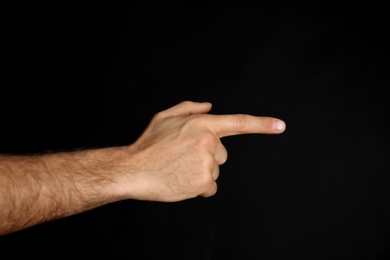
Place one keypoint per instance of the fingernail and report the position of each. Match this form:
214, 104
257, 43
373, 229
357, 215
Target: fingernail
279, 125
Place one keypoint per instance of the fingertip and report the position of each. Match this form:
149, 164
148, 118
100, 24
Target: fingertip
279, 126
206, 103
203, 107
197, 103
206, 106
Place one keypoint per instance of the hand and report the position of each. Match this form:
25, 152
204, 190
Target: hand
178, 155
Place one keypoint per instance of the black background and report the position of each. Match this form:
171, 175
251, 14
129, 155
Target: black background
79, 76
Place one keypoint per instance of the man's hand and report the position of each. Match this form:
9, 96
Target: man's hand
179, 154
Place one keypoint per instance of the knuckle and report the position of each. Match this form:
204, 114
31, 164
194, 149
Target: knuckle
208, 162
158, 115
186, 102
203, 138
211, 191
207, 140
240, 121
206, 182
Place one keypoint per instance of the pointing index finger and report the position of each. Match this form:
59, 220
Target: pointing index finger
237, 124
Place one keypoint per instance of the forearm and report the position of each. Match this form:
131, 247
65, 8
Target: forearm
36, 189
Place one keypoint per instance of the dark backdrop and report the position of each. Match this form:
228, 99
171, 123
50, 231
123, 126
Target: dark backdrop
80, 76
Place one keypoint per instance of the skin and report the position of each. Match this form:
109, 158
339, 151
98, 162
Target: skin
176, 158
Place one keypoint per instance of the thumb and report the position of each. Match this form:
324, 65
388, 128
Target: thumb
186, 108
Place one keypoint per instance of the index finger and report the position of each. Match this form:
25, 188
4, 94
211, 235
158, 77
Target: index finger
237, 124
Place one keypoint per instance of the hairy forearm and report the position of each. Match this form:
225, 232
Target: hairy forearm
40, 188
